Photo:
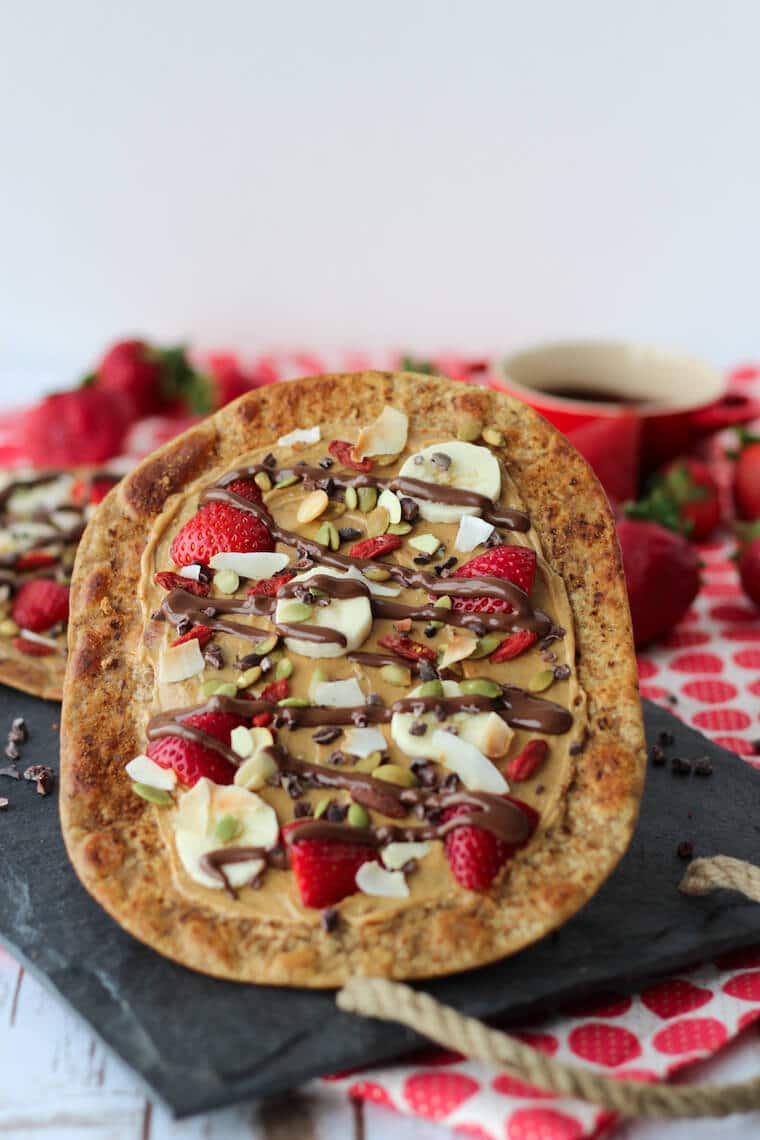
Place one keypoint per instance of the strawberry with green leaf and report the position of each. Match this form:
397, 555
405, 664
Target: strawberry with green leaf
747, 477
684, 497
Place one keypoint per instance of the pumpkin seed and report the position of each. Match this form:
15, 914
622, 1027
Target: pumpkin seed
367, 499
377, 522
288, 481
294, 703
266, 646
284, 669
399, 528
469, 429
493, 437
227, 690
227, 828
249, 677
226, 581
395, 774
208, 688
485, 646
367, 764
481, 686
396, 675
333, 538
292, 610
262, 480
444, 602
427, 543
321, 807
430, 689
357, 816
351, 498
152, 795
540, 681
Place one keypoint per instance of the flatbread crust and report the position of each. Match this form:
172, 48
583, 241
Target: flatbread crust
112, 836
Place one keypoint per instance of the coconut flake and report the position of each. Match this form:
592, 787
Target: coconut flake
372, 879
250, 564
473, 531
180, 662
339, 694
475, 770
193, 571
377, 588
386, 436
143, 770
459, 645
363, 741
395, 855
301, 435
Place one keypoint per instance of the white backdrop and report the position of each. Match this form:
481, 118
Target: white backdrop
478, 174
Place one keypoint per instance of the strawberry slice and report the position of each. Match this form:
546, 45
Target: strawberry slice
32, 648
375, 547
200, 633
325, 869
341, 449
40, 604
275, 690
262, 720
407, 647
217, 527
191, 760
516, 564
168, 580
269, 587
513, 646
475, 855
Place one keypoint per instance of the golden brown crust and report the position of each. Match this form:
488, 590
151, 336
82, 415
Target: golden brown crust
112, 837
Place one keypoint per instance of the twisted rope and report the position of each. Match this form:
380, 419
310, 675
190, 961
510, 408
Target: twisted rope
393, 1001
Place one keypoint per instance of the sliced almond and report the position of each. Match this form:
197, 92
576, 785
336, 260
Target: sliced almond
395, 855
143, 770
250, 563
312, 506
386, 436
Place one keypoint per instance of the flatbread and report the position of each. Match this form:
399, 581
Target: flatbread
42, 676
118, 842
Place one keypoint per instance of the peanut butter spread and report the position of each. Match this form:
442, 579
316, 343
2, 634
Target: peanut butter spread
384, 753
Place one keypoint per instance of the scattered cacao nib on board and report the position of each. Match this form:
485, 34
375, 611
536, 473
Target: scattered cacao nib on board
680, 766
666, 739
10, 770
42, 776
11, 751
657, 756
703, 766
685, 850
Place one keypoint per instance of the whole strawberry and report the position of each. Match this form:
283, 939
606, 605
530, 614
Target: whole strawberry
683, 497
662, 576
133, 369
72, 428
228, 380
40, 604
611, 446
191, 760
516, 564
219, 526
749, 569
747, 481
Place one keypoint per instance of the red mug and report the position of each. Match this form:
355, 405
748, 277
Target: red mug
677, 397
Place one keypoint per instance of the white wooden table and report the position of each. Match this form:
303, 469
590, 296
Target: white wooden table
58, 1082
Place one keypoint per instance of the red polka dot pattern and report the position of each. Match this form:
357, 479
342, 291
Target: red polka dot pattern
692, 1035
609, 1045
721, 720
512, 1086
710, 692
543, 1124
685, 639
647, 669
744, 986
697, 663
437, 1095
748, 658
669, 999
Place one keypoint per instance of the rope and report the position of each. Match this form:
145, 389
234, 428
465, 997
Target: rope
393, 1001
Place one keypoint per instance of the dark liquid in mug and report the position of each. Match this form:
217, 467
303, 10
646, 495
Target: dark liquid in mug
594, 395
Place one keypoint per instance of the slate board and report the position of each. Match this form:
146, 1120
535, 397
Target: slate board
199, 1043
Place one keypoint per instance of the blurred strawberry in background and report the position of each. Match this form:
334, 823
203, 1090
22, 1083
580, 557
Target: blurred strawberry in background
662, 576
612, 447
683, 497
747, 477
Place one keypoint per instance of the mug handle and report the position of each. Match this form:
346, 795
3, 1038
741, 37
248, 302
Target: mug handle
730, 410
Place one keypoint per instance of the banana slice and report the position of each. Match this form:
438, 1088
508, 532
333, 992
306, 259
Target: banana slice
350, 616
200, 812
454, 464
485, 731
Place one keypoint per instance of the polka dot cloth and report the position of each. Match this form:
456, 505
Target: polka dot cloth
706, 672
